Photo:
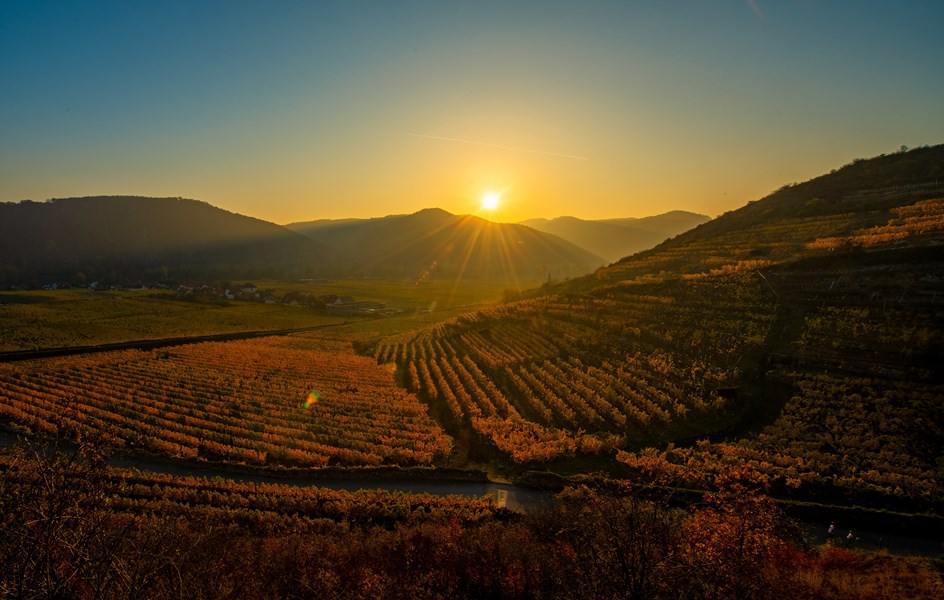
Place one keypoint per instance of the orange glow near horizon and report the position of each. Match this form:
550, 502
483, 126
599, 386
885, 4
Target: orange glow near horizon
314, 112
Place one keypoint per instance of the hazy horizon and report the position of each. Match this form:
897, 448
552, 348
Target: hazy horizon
478, 213
487, 216
333, 110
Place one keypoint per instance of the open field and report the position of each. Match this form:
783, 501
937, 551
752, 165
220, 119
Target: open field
80, 317
430, 294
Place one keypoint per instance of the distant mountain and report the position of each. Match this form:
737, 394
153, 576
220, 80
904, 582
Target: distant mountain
438, 243
673, 222
615, 238
124, 238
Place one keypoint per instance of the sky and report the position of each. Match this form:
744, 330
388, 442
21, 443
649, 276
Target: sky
300, 110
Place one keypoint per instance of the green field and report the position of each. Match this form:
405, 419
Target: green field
79, 317
430, 294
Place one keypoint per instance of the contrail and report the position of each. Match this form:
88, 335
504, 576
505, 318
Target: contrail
475, 143
755, 8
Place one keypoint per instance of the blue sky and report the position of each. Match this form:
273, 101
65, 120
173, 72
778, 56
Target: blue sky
302, 110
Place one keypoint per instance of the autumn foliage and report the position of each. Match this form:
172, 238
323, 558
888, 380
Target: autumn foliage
72, 528
564, 375
290, 401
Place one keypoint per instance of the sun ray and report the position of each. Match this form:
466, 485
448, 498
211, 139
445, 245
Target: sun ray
474, 223
431, 233
507, 250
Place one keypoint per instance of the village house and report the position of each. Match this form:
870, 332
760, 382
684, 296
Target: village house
347, 306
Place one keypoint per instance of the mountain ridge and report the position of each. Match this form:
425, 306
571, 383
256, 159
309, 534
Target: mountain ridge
136, 237
616, 238
435, 242
122, 239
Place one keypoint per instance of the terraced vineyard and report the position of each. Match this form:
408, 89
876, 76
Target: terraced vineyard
856, 352
545, 378
300, 401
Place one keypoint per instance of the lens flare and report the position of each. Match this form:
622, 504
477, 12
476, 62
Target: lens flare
311, 399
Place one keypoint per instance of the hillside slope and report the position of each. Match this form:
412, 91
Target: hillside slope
860, 194
441, 244
615, 238
805, 329
124, 238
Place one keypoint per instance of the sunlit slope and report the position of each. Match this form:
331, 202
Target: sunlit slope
820, 361
439, 244
781, 226
126, 238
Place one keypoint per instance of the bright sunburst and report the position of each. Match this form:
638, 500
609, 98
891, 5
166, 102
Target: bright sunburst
491, 200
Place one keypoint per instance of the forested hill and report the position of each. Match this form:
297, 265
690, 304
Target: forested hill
124, 238
446, 245
786, 224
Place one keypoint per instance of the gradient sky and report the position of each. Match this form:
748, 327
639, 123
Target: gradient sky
293, 111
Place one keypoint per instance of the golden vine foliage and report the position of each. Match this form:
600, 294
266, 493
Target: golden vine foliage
272, 401
562, 375
912, 222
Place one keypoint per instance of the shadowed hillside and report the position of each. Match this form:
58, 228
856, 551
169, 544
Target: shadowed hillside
122, 238
439, 244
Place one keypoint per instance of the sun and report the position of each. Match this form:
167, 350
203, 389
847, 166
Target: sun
491, 200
